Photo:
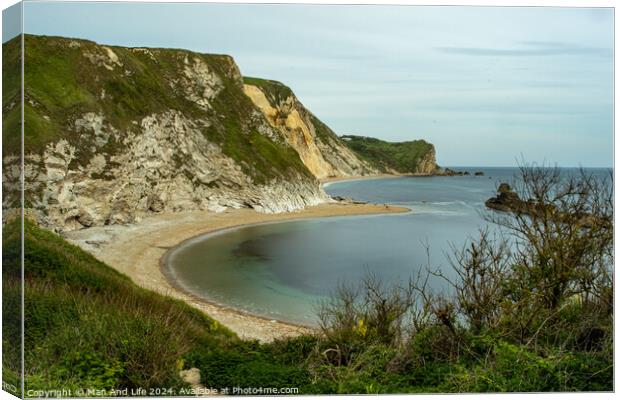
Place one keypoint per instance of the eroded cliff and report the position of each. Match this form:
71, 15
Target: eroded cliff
320, 149
415, 157
114, 134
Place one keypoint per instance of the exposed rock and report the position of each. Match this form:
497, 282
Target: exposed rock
428, 163
85, 219
102, 57
414, 157
449, 172
200, 83
342, 199
504, 188
509, 201
150, 162
321, 151
193, 138
95, 243
192, 377
155, 204
506, 200
478, 173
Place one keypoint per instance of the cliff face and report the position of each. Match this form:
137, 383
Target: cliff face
413, 157
427, 164
319, 148
114, 134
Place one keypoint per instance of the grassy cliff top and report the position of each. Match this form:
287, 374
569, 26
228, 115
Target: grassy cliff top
66, 78
61, 83
275, 91
402, 157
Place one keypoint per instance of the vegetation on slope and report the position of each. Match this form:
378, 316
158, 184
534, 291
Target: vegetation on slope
11, 97
528, 311
62, 84
88, 326
537, 319
277, 92
403, 157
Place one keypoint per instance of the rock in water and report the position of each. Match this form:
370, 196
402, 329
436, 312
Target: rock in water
506, 200
509, 201
503, 188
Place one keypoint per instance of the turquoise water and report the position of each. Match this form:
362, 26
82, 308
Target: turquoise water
283, 270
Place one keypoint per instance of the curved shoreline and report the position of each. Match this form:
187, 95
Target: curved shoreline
330, 181
137, 251
166, 270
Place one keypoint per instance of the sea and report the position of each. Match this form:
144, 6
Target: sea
285, 270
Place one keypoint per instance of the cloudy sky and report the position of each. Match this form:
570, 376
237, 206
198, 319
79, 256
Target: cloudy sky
486, 85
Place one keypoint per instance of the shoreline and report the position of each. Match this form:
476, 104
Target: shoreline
325, 182
139, 251
166, 270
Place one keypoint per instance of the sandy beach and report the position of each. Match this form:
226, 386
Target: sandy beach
328, 181
136, 251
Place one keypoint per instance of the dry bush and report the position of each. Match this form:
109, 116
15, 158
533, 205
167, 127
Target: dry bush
542, 280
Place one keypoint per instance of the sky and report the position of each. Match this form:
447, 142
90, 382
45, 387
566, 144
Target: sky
488, 86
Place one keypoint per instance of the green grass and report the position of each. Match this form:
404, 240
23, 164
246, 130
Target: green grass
88, 326
61, 85
251, 364
275, 91
11, 97
11, 306
402, 157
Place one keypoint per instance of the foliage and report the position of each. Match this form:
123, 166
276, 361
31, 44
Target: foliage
11, 305
403, 157
251, 364
61, 84
88, 326
528, 311
275, 91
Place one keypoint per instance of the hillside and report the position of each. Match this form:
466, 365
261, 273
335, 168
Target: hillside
114, 134
320, 149
413, 157
121, 336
